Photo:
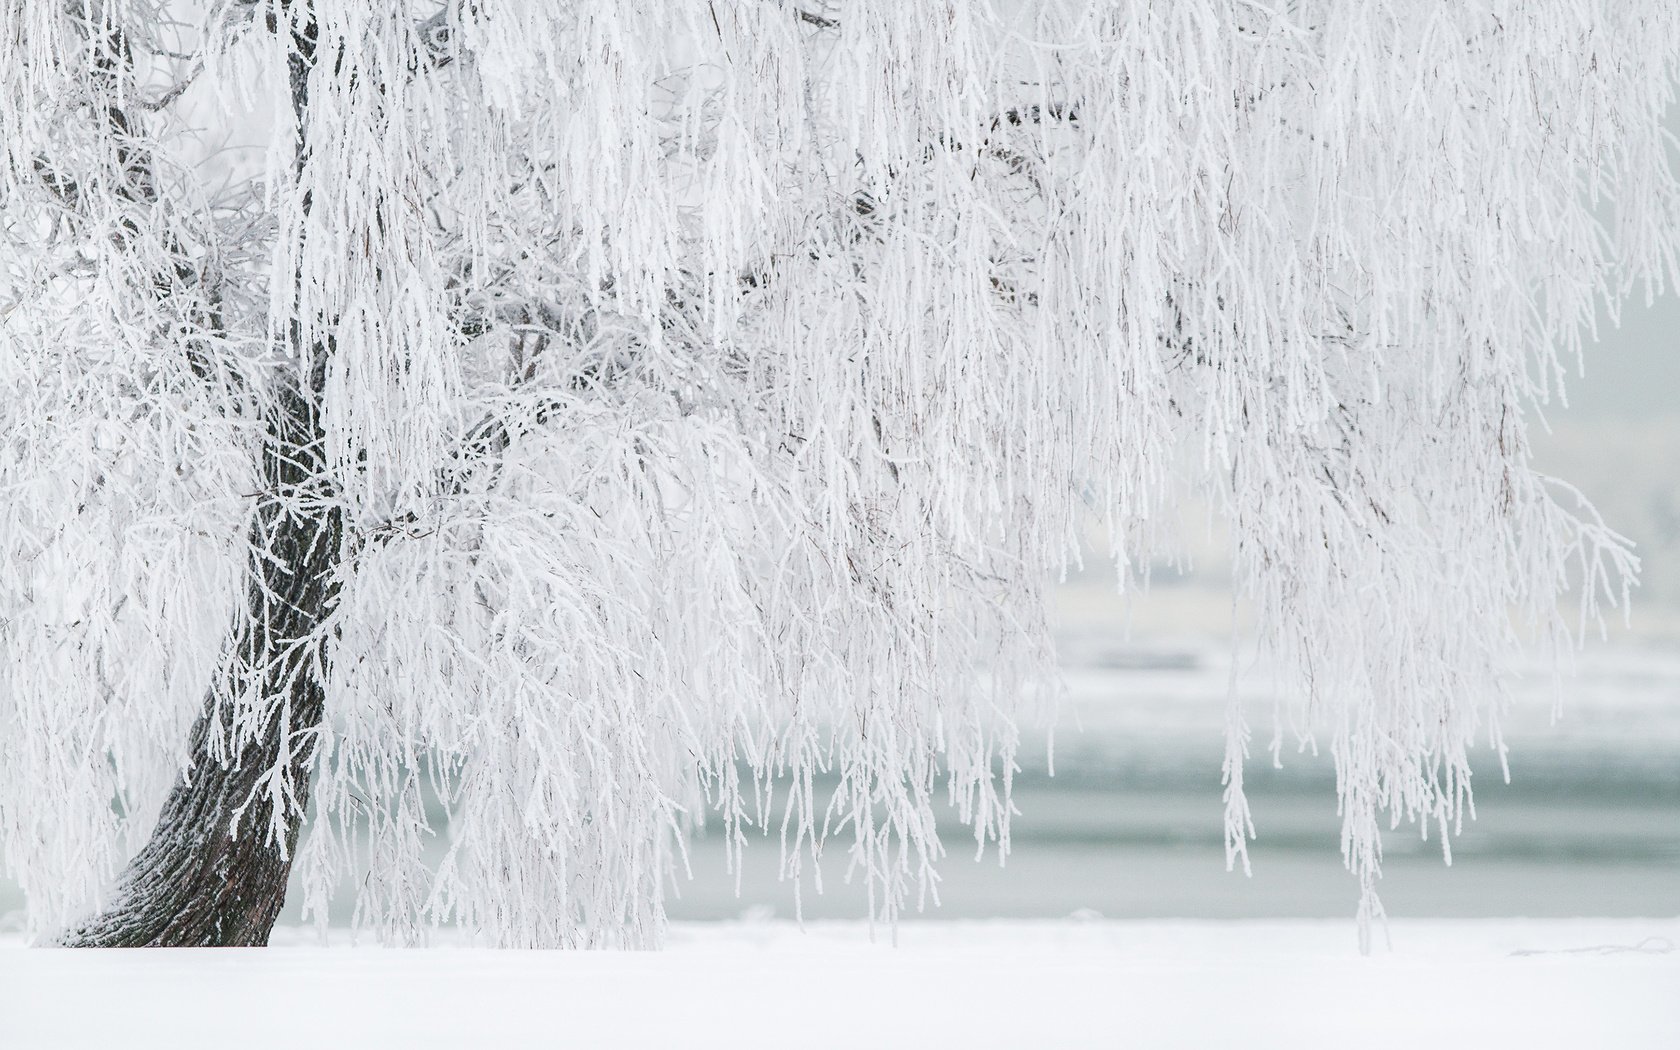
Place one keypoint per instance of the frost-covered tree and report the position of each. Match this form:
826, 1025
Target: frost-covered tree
600, 414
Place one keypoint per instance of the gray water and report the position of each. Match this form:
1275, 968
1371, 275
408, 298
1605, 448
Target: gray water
1132, 824
1574, 834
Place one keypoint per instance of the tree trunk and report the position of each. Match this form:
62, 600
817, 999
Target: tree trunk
197, 882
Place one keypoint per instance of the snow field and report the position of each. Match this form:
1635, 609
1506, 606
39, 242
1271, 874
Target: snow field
1301, 984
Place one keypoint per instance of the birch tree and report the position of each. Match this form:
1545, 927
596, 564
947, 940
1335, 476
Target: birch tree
603, 417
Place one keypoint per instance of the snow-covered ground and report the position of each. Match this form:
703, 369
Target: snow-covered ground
1489, 983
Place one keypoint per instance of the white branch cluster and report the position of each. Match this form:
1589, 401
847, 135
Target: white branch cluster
711, 390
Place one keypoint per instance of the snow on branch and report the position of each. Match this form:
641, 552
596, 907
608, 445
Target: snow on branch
710, 391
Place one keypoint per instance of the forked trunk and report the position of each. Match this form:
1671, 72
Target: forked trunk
197, 882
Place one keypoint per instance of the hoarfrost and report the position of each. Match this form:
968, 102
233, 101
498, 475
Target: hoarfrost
710, 392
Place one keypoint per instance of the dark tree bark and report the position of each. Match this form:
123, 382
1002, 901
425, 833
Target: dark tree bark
215, 869
198, 881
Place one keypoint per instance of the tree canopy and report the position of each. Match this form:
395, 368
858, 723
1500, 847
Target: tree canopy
688, 405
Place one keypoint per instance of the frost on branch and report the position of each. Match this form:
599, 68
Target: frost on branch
710, 390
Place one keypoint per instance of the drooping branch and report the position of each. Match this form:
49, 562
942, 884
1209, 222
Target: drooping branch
133, 181
484, 445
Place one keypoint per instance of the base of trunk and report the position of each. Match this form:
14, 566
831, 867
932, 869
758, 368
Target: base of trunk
197, 883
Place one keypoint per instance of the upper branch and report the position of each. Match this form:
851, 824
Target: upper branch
133, 182
820, 21
486, 442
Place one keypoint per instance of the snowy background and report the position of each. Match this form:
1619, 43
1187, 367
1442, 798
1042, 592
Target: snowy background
1115, 921
1129, 829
